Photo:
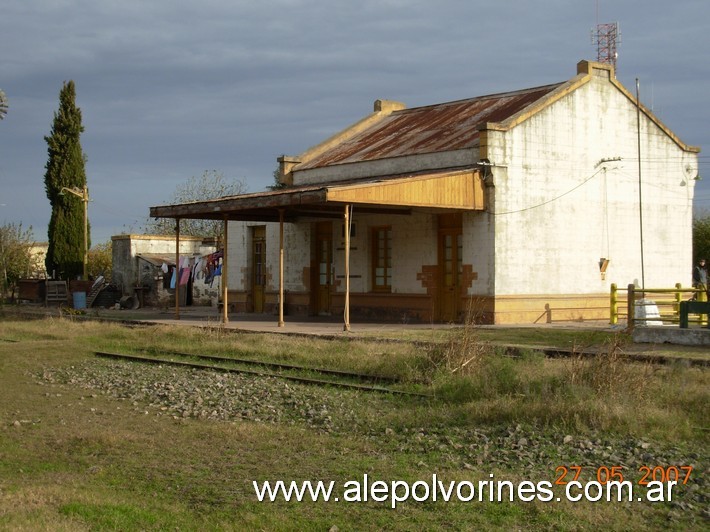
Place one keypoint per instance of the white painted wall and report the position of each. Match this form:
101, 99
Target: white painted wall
296, 254
413, 244
478, 250
237, 255
557, 210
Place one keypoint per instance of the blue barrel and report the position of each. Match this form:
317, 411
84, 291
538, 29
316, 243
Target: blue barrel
79, 300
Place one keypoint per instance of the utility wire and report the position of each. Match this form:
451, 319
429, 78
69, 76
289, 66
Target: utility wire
550, 200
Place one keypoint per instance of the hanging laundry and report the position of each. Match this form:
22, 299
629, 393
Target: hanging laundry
197, 270
212, 266
209, 274
184, 276
167, 277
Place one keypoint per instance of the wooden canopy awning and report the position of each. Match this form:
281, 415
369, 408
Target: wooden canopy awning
458, 190
440, 192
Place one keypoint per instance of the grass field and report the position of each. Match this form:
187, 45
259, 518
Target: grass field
91, 444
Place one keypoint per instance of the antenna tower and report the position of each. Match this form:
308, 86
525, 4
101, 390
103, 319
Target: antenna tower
606, 38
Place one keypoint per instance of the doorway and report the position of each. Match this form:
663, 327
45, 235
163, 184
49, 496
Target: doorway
323, 267
258, 261
450, 267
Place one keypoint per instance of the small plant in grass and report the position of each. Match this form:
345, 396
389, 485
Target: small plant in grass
464, 353
216, 329
467, 368
71, 312
495, 376
609, 372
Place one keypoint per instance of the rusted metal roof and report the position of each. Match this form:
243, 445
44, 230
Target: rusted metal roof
429, 129
420, 130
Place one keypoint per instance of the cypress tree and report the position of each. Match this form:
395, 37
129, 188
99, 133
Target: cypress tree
3, 104
65, 168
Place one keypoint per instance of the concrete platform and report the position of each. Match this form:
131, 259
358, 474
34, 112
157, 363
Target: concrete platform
317, 325
312, 325
695, 336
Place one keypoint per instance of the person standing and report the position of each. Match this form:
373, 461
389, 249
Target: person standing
700, 277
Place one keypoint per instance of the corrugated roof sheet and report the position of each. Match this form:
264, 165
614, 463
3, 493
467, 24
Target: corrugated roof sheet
157, 259
430, 129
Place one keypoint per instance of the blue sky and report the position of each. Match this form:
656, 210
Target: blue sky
171, 89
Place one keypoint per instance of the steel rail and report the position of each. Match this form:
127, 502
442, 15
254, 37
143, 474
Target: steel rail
294, 378
280, 365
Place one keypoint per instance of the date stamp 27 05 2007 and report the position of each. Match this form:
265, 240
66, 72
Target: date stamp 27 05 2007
605, 474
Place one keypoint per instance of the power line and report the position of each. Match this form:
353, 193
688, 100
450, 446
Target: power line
550, 200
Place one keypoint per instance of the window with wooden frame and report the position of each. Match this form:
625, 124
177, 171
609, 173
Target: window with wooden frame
381, 258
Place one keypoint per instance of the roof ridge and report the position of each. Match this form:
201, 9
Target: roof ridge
492, 96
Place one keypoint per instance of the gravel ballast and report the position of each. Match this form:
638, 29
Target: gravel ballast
190, 393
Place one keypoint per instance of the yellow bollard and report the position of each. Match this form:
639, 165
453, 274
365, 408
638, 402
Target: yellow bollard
676, 304
614, 305
703, 296
631, 306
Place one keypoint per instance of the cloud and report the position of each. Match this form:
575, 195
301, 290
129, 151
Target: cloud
169, 89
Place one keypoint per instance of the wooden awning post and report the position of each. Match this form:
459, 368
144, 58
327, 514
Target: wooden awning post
177, 268
281, 267
346, 326
225, 283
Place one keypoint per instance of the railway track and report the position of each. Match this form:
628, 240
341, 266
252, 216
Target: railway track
269, 369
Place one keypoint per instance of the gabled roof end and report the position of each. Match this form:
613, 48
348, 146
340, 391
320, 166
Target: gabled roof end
388, 106
593, 68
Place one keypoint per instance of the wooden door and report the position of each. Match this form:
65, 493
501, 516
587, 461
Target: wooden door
324, 267
258, 261
450, 273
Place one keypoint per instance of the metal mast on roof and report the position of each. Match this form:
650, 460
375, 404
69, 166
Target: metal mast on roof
606, 37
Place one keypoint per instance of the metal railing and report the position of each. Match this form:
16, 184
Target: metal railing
665, 300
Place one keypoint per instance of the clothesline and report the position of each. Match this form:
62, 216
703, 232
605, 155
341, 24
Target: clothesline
204, 268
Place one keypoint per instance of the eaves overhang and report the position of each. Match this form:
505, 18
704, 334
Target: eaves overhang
444, 191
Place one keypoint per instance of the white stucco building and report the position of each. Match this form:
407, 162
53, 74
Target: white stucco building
147, 261
522, 206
